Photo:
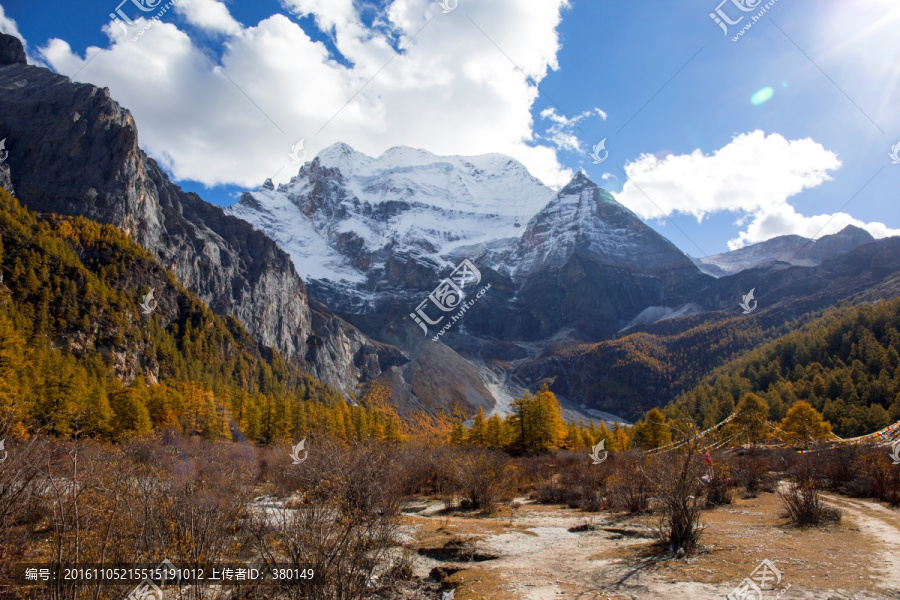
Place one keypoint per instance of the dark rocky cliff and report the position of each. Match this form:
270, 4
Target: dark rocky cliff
73, 150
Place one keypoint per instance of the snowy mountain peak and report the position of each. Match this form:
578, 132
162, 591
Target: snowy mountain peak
346, 216
585, 219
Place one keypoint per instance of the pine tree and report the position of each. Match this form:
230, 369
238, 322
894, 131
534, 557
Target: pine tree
478, 433
751, 422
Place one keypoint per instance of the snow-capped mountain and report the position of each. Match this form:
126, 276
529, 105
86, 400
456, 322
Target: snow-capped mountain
785, 250
371, 236
585, 219
346, 219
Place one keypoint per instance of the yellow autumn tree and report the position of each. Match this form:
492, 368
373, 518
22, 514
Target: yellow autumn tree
804, 425
536, 424
750, 425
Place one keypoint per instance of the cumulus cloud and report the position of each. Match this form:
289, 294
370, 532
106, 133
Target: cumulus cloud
754, 176
416, 77
210, 15
8, 25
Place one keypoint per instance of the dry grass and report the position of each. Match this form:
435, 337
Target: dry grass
479, 584
739, 536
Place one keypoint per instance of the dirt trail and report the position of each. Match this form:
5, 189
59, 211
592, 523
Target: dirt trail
539, 557
880, 522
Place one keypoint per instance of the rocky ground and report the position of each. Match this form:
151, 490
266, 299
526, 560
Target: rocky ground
541, 552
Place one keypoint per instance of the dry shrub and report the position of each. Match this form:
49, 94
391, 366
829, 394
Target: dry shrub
586, 483
878, 476
485, 479
718, 488
424, 468
195, 510
21, 508
570, 478
535, 471
760, 470
84, 488
839, 466
628, 486
804, 507
136, 502
343, 522
677, 487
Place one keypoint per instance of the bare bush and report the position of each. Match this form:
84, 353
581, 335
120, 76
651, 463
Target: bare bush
677, 487
629, 487
484, 479
749, 471
342, 522
838, 466
573, 480
424, 468
804, 507
587, 484
21, 508
718, 485
877, 476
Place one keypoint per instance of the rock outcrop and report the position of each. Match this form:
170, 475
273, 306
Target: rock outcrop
73, 150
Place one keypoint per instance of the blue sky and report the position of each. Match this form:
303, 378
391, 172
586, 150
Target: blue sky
667, 79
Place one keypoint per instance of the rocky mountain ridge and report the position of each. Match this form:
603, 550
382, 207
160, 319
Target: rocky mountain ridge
785, 250
74, 151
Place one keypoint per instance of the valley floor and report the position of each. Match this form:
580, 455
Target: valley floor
537, 553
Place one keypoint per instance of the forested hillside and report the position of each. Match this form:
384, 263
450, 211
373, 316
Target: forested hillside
78, 354
845, 364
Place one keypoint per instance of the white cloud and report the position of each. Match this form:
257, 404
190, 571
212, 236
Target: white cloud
449, 90
9, 26
209, 15
754, 175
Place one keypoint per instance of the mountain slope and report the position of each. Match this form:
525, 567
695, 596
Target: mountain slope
655, 362
586, 263
74, 151
786, 249
376, 235
846, 364
84, 347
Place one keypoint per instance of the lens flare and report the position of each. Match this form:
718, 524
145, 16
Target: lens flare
761, 96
